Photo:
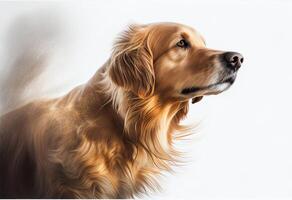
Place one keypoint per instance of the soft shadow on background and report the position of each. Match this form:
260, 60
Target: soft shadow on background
242, 149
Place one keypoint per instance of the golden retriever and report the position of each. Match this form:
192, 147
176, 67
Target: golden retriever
112, 137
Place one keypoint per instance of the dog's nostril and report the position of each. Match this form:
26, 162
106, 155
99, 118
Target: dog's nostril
233, 60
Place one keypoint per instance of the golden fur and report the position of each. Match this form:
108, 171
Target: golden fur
110, 137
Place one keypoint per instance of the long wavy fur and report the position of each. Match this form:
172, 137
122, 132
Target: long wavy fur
110, 138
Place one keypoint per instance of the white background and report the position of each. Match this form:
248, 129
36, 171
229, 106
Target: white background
243, 145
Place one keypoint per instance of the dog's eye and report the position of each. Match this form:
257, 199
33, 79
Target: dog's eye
182, 44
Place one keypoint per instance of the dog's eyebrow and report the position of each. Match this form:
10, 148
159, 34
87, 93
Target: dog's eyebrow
185, 35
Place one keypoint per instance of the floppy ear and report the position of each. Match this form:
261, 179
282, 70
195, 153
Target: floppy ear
132, 62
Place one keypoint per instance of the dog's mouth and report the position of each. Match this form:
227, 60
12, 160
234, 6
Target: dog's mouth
215, 88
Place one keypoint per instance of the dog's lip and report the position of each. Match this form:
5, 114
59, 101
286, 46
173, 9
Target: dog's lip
229, 79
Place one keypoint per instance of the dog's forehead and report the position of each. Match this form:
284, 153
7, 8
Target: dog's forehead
180, 30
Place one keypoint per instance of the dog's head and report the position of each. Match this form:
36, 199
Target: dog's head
172, 61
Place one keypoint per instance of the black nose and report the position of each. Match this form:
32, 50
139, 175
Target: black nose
233, 60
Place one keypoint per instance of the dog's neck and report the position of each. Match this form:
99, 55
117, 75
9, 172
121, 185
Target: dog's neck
148, 122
